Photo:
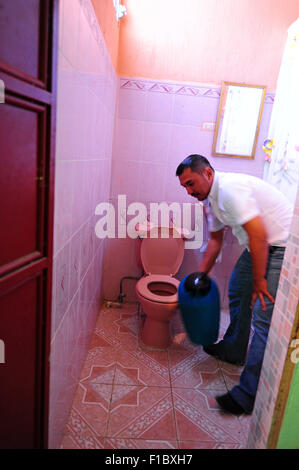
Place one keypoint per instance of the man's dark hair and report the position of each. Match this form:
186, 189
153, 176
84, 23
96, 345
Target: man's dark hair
195, 162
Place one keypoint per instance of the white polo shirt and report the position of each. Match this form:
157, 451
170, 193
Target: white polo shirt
236, 198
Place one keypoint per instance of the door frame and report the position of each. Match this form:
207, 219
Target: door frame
51, 146
40, 90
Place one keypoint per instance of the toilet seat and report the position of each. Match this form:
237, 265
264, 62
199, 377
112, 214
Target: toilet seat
143, 288
161, 258
162, 255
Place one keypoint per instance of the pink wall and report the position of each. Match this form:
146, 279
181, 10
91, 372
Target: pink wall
109, 26
158, 125
87, 87
205, 41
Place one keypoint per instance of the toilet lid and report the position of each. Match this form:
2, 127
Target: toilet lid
162, 255
143, 289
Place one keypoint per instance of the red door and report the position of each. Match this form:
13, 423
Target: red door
28, 51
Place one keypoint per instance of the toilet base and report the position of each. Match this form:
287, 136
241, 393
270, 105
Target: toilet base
156, 334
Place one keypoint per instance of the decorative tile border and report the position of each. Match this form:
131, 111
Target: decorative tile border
170, 88
210, 91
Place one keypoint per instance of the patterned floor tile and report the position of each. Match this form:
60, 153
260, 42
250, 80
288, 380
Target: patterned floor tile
78, 435
139, 444
198, 418
100, 340
131, 397
97, 376
245, 421
104, 357
141, 412
91, 403
208, 445
118, 327
195, 371
142, 367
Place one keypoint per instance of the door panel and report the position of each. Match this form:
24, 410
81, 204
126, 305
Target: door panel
20, 331
23, 37
25, 53
21, 182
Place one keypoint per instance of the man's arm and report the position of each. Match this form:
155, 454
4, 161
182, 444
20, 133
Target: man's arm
258, 245
212, 251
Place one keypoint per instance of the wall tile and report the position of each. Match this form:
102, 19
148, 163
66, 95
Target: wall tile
61, 288
71, 14
125, 179
129, 139
63, 204
159, 107
187, 111
152, 175
185, 140
75, 264
156, 140
132, 105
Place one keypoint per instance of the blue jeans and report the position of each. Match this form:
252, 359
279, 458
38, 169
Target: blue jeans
236, 338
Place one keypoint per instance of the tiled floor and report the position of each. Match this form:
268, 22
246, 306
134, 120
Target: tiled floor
133, 397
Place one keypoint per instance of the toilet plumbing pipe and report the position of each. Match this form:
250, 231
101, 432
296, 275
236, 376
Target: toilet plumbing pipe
118, 303
121, 294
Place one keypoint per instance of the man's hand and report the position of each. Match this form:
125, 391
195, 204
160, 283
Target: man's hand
212, 251
259, 291
259, 251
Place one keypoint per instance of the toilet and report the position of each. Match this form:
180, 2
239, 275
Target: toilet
157, 290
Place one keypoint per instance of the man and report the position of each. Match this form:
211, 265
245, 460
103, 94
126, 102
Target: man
260, 217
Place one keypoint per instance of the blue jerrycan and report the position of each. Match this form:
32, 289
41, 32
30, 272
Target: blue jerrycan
199, 306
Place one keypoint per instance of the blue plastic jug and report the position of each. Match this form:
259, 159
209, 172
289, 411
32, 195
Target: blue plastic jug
199, 306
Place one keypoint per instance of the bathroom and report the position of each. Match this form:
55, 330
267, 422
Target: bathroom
136, 94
